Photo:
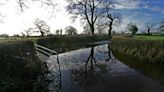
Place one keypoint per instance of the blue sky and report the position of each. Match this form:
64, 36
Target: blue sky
137, 11
140, 11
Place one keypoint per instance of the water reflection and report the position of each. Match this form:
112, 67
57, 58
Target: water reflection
92, 71
109, 54
95, 69
153, 71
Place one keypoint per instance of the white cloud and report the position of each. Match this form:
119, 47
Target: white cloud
127, 4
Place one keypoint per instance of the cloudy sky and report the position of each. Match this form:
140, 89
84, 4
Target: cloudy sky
12, 21
140, 11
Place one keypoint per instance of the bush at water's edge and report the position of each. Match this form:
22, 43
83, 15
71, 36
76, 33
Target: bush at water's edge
142, 51
19, 65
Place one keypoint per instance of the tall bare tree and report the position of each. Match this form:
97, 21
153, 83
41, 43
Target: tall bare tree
42, 27
149, 27
89, 10
110, 20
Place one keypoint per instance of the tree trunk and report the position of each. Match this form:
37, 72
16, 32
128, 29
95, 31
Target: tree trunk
148, 31
42, 33
92, 29
110, 27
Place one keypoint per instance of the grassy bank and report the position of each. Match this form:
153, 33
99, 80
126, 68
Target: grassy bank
66, 43
140, 50
19, 66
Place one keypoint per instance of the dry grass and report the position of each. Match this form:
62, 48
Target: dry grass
142, 50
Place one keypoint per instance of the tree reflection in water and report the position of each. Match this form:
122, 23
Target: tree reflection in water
92, 71
109, 54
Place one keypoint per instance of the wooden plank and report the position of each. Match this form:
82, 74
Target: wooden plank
44, 48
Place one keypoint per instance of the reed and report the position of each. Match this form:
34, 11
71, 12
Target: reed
141, 50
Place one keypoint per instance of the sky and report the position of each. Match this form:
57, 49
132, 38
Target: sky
12, 21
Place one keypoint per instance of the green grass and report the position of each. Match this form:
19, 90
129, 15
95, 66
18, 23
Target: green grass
152, 37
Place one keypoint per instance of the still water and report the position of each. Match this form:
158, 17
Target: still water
95, 69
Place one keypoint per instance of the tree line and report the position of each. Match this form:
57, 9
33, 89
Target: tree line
96, 15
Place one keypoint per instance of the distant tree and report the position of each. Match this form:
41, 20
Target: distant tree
89, 10
122, 32
162, 25
86, 30
42, 27
23, 35
61, 32
57, 32
70, 30
28, 31
100, 27
4, 35
50, 34
149, 27
132, 28
114, 32
16, 36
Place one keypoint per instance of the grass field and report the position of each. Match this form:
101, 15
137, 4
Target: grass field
153, 37
24, 39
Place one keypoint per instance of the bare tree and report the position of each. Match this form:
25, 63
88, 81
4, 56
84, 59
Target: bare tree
162, 25
28, 31
86, 30
89, 10
57, 32
42, 27
61, 31
149, 27
108, 20
113, 18
100, 27
24, 3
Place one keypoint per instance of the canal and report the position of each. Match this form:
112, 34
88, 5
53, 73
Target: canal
95, 69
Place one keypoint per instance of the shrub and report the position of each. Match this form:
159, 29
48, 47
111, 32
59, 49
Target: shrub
65, 43
18, 62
